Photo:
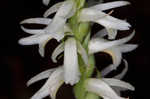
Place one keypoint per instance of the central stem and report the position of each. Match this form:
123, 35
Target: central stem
81, 32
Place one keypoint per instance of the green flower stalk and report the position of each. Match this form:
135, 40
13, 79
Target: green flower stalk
71, 26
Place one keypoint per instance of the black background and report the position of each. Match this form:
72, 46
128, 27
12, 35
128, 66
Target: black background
19, 63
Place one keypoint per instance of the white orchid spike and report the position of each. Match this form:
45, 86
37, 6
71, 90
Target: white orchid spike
71, 27
71, 69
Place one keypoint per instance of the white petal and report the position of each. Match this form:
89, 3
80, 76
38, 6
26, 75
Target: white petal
112, 33
116, 56
71, 69
52, 9
33, 31
103, 19
97, 44
42, 47
124, 71
59, 49
44, 21
100, 33
101, 88
51, 86
59, 20
91, 15
46, 2
35, 39
127, 47
118, 83
40, 76
83, 53
114, 23
107, 70
65, 9
110, 5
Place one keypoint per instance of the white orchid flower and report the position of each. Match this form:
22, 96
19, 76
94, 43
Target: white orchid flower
115, 51
55, 80
71, 69
55, 28
39, 35
102, 87
95, 14
99, 44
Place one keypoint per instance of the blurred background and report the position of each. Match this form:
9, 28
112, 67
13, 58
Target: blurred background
19, 63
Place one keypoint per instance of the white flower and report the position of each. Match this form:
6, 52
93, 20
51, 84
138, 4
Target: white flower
114, 48
102, 87
95, 14
55, 80
54, 28
71, 69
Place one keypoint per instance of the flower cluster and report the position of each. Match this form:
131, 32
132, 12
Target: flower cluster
60, 29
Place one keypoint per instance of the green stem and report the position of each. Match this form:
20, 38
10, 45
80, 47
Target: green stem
81, 32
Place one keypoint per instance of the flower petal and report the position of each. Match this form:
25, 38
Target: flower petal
101, 88
46, 2
59, 20
122, 74
116, 56
40, 76
83, 53
65, 9
103, 19
91, 15
42, 47
35, 39
107, 70
33, 31
52, 9
118, 83
59, 49
110, 5
127, 47
51, 86
101, 33
98, 44
114, 23
71, 69
44, 21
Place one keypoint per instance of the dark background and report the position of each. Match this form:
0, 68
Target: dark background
19, 63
